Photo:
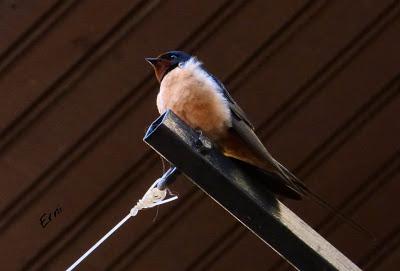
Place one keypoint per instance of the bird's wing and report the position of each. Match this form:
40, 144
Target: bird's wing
251, 140
244, 128
234, 107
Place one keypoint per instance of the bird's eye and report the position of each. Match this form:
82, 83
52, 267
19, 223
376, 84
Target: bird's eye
173, 57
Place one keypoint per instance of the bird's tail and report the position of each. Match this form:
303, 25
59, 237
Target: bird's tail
308, 193
271, 181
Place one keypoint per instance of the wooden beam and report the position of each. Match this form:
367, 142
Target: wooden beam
241, 195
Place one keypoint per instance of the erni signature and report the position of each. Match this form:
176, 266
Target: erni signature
46, 218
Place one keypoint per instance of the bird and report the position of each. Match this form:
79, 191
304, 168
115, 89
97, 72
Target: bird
202, 101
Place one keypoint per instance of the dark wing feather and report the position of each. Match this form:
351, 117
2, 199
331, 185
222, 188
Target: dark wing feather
245, 129
251, 139
235, 108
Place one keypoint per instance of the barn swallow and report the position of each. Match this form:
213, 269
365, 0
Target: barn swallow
203, 102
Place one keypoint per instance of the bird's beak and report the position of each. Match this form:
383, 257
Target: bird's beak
152, 60
160, 66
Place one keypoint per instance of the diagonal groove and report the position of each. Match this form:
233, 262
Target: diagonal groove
216, 21
217, 248
37, 30
388, 245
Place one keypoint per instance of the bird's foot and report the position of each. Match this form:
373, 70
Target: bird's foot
202, 143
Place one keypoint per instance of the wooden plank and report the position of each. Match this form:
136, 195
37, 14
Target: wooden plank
240, 195
374, 143
239, 45
390, 257
338, 100
55, 52
300, 60
17, 16
392, 262
369, 213
249, 242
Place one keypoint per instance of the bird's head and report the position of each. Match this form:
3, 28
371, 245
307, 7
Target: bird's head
166, 62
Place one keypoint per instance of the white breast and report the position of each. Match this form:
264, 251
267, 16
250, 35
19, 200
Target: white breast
192, 94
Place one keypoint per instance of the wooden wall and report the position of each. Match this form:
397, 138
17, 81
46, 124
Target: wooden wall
319, 79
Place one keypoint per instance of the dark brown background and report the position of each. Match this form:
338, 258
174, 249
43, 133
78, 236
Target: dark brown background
320, 80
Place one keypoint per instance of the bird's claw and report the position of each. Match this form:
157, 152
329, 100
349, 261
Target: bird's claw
202, 143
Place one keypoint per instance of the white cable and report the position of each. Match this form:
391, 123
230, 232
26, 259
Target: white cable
98, 243
151, 198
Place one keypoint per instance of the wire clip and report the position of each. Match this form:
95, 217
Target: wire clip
153, 197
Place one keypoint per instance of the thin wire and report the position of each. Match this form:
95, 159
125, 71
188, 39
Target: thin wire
98, 243
163, 164
153, 197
